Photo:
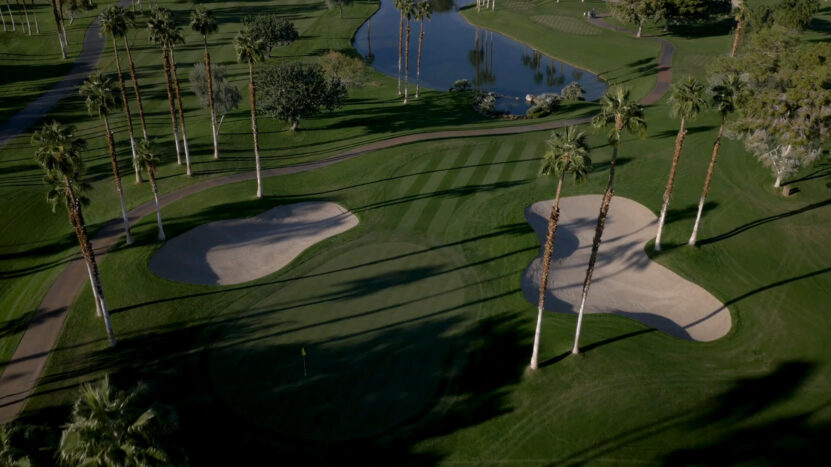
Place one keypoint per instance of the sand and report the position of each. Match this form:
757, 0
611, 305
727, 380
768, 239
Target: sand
626, 281
241, 250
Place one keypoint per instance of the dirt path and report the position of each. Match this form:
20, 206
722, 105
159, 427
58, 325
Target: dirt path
22, 372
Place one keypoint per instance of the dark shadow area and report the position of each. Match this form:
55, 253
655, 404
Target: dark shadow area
704, 29
764, 220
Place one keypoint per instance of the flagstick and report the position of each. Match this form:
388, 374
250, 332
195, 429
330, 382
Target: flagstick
304, 365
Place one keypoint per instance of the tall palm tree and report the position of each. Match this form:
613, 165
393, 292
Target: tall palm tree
11, 17
423, 11
100, 101
740, 13
687, 100
251, 49
110, 427
3, 19
408, 10
35, 15
114, 21
26, 14
399, 5
131, 23
726, 96
61, 40
159, 35
203, 22
149, 160
58, 152
568, 152
618, 109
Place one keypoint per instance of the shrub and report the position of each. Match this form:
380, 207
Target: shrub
351, 71
461, 85
573, 92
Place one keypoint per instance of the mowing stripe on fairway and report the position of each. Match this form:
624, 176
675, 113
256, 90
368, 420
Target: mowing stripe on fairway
520, 153
443, 190
504, 154
529, 165
419, 166
448, 205
427, 191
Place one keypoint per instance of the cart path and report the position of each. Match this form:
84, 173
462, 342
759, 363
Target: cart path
21, 374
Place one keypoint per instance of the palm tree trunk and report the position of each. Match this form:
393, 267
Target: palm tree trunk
252, 96
3, 19
418, 66
77, 220
679, 143
34, 14
151, 174
736, 36
640, 29
598, 234
14, 28
400, 48
26, 14
546, 266
136, 87
181, 112
117, 175
126, 111
707, 181
407, 63
62, 23
172, 105
211, 98
57, 26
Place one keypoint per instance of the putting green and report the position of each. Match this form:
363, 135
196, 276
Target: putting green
376, 323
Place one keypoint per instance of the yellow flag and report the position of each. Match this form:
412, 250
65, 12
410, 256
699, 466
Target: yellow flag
303, 351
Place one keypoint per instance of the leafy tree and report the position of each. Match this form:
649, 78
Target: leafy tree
338, 3
726, 96
251, 49
99, 97
58, 152
115, 21
351, 71
202, 21
621, 112
573, 92
294, 91
638, 12
149, 161
423, 12
686, 101
568, 152
790, 14
690, 11
116, 428
272, 29
226, 96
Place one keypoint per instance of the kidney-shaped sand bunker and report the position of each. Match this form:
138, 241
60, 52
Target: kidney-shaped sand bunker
626, 281
241, 250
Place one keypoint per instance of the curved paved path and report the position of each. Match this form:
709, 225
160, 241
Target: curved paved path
23, 370
87, 61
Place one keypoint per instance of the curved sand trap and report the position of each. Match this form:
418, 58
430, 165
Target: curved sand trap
241, 250
625, 281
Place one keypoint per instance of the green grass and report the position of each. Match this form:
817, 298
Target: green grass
416, 331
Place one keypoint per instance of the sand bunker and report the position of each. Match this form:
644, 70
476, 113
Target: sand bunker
241, 250
625, 281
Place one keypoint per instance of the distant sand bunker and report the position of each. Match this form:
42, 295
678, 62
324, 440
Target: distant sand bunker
625, 281
241, 250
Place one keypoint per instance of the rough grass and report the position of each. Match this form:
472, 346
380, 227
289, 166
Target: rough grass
567, 25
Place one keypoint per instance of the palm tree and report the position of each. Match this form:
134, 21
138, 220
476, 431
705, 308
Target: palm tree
148, 160
399, 5
11, 453
58, 152
160, 35
408, 10
114, 21
34, 14
61, 39
726, 96
618, 109
423, 11
14, 28
109, 427
100, 101
26, 14
175, 37
740, 12
3, 19
203, 22
567, 152
687, 100
131, 23
251, 49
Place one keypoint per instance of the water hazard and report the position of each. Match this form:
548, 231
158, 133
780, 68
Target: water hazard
454, 49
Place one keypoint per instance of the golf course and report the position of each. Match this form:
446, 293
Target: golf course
378, 303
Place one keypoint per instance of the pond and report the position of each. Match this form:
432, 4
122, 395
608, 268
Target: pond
455, 49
